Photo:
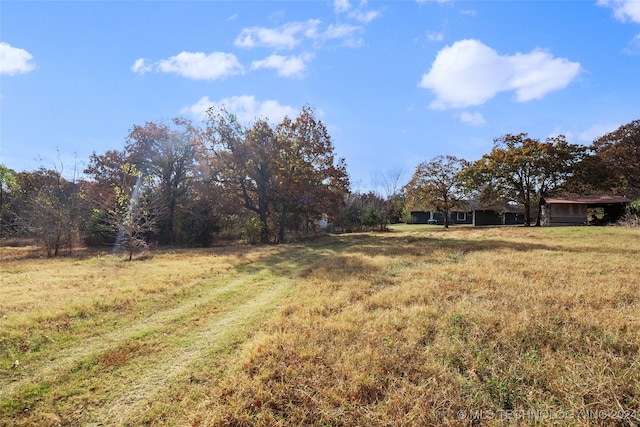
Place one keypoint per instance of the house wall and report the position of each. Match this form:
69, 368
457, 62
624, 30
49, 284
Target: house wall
564, 214
486, 217
420, 217
513, 218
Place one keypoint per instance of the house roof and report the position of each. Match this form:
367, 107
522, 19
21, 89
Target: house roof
587, 200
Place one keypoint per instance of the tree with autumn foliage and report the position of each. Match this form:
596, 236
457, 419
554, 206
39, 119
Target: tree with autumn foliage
437, 185
619, 152
288, 175
522, 170
166, 153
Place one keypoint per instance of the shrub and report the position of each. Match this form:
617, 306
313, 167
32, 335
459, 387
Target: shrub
252, 230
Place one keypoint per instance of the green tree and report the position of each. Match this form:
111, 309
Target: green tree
438, 185
135, 215
8, 186
370, 217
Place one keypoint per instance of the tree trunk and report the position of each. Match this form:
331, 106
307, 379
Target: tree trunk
281, 227
527, 213
538, 217
264, 234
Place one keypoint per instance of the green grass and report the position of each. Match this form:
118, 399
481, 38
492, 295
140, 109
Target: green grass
411, 327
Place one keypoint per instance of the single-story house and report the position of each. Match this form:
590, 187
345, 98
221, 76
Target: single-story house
460, 215
505, 215
471, 212
582, 210
432, 217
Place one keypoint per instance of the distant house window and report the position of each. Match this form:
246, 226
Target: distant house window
461, 216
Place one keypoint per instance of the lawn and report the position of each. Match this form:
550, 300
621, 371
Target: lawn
417, 326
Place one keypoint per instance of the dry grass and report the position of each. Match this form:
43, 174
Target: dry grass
420, 326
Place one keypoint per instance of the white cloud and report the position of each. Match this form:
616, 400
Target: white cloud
193, 65
287, 66
359, 14
286, 36
200, 66
340, 31
292, 34
470, 73
364, 16
474, 119
623, 10
14, 60
245, 107
141, 66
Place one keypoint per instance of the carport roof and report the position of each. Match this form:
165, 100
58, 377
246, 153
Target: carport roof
587, 200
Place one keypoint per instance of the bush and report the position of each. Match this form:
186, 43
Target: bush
370, 218
252, 231
629, 220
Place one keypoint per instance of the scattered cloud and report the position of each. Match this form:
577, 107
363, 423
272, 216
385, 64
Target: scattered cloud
193, 65
14, 60
345, 32
286, 36
596, 131
141, 66
245, 107
363, 16
470, 73
435, 36
623, 10
360, 13
292, 34
287, 66
341, 6
474, 119
633, 47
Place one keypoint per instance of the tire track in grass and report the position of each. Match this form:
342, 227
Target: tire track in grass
131, 405
91, 348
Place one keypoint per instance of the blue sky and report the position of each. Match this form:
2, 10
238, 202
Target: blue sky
395, 82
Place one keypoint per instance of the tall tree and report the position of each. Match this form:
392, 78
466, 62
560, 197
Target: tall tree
45, 208
310, 180
8, 185
287, 176
242, 163
437, 185
106, 172
619, 151
522, 170
167, 153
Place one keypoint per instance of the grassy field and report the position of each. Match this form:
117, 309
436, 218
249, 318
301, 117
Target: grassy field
418, 326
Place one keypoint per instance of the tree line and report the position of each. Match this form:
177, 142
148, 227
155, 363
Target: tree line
522, 170
177, 183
